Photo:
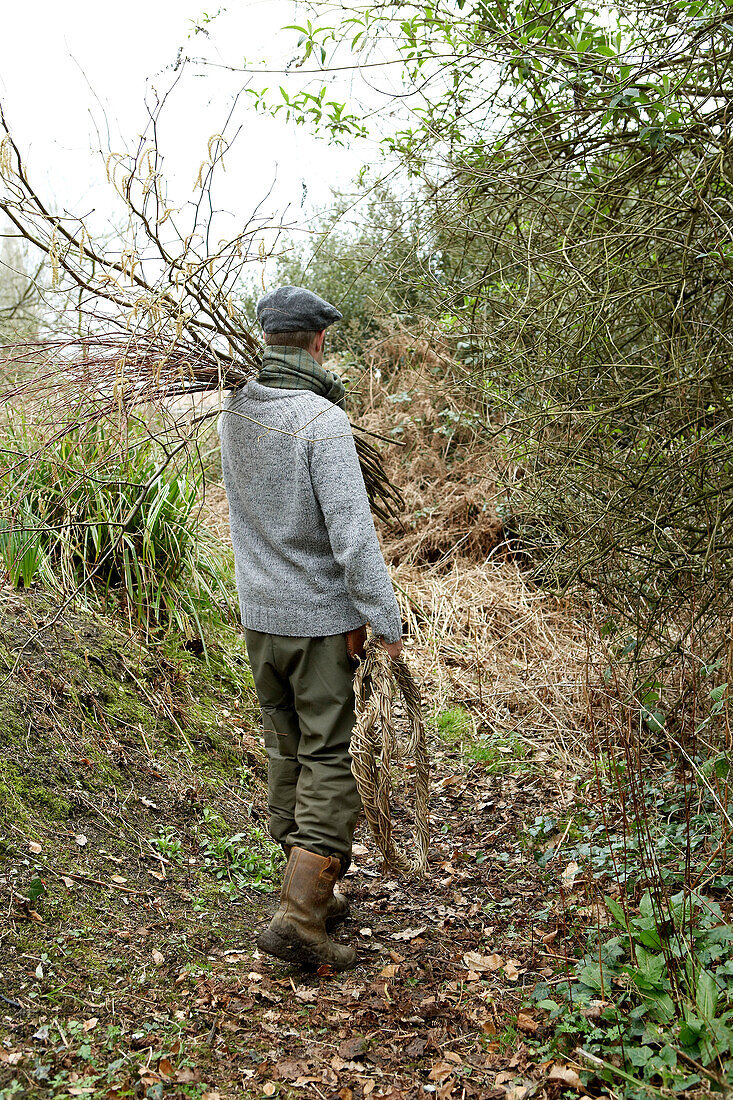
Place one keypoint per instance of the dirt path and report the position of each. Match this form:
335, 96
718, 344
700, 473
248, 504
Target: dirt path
150, 997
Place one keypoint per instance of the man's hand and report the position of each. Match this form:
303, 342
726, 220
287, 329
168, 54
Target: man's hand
393, 648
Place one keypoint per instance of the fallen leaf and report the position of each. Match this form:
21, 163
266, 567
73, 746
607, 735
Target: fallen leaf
90, 1024
441, 1070
305, 995
290, 1069
570, 872
211, 1094
165, 1067
35, 847
187, 1076
416, 1048
389, 971
157, 956
511, 970
566, 1074
118, 878
68, 882
526, 1024
518, 1091
352, 1048
478, 962
408, 933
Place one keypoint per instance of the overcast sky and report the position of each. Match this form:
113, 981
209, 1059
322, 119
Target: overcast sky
74, 76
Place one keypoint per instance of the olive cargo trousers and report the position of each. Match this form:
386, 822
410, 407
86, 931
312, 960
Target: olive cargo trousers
306, 691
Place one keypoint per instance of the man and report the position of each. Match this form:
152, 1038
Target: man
310, 575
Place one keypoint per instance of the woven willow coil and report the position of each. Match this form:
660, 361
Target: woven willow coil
377, 749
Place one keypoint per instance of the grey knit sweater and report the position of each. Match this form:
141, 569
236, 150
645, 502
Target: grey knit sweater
306, 554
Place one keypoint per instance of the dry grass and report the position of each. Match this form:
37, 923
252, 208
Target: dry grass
443, 466
483, 637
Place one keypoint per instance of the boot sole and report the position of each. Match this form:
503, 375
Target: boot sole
293, 950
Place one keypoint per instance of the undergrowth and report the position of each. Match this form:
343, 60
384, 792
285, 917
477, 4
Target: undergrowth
111, 521
650, 1008
646, 1005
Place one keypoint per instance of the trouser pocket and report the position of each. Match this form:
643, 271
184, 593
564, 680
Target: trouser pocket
281, 735
280, 720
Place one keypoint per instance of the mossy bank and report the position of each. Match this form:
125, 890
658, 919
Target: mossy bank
132, 820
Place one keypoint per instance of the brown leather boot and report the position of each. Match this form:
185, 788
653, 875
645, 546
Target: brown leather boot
297, 932
339, 907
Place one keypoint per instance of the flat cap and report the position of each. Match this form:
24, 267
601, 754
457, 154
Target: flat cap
295, 309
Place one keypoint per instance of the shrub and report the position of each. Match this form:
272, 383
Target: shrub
85, 515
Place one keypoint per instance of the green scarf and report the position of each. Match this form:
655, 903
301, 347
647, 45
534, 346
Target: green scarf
295, 369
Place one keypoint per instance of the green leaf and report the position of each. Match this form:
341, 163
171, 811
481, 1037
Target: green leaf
662, 1007
666, 1057
35, 889
706, 995
650, 938
638, 1056
718, 692
691, 1032
616, 912
654, 720
591, 976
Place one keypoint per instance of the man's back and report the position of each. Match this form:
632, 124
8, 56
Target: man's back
307, 558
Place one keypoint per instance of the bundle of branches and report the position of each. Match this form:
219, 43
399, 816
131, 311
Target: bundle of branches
155, 315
